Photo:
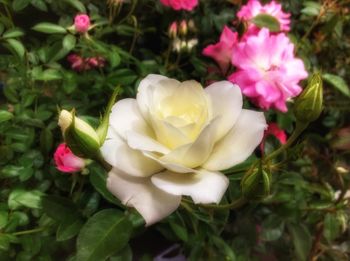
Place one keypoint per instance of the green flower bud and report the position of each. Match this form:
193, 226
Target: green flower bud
256, 185
81, 138
308, 106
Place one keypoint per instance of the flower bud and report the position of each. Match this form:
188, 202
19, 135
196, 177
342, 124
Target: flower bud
308, 106
172, 31
66, 161
256, 185
183, 29
81, 138
82, 23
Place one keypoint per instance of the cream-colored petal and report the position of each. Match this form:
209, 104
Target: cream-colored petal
203, 187
152, 88
152, 203
126, 116
118, 153
178, 168
239, 143
227, 104
195, 154
138, 141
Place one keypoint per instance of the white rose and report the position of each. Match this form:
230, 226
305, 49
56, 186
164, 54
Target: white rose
173, 139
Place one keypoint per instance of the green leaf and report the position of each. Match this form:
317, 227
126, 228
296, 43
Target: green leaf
46, 140
13, 33
103, 235
18, 5
301, 240
77, 5
272, 228
337, 82
49, 28
332, 226
39, 4
5, 240
69, 42
68, 228
3, 218
16, 46
5, 116
268, 21
179, 230
124, 255
21, 197
59, 208
224, 248
98, 178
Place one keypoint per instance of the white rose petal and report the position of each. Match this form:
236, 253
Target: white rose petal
117, 153
239, 143
152, 203
203, 187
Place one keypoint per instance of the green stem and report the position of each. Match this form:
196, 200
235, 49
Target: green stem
300, 127
31, 231
233, 205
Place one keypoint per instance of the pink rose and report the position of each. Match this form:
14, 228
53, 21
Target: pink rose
221, 52
254, 8
267, 70
180, 4
66, 161
82, 23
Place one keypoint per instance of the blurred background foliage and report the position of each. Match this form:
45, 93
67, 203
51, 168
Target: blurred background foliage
47, 215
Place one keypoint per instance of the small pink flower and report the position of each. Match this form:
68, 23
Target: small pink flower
267, 70
180, 4
254, 8
82, 23
66, 161
96, 62
275, 131
221, 52
76, 61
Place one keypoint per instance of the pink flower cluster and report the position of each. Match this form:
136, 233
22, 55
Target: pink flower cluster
187, 5
267, 70
80, 64
66, 161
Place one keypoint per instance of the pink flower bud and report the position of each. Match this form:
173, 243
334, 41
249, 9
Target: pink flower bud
172, 32
273, 130
82, 23
66, 161
183, 28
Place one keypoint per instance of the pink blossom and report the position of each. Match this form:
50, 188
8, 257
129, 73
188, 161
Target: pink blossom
66, 161
77, 62
273, 130
254, 8
82, 23
267, 70
96, 62
221, 52
180, 4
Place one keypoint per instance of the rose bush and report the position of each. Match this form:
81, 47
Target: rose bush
173, 140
